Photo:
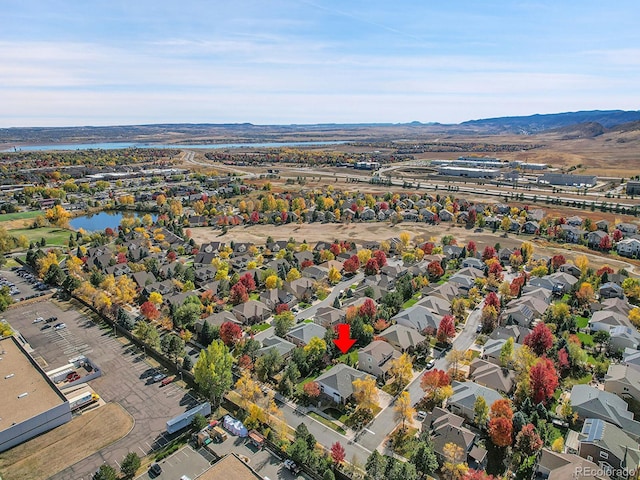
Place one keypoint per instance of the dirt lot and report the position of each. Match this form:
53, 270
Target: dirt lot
60, 448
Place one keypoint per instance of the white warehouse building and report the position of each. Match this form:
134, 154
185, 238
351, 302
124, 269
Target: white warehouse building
469, 172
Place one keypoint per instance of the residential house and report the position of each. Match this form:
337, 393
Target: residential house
315, 272
623, 380
301, 288
402, 338
602, 225
562, 466
445, 427
465, 395
531, 227
628, 247
631, 357
572, 234
205, 274
611, 290
439, 306
277, 296
215, 320
328, 316
118, 270
574, 221
166, 287
564, 279
418, 318
143, 278
491, 375
492, 348
282, 346
594, 238
510, 331
447, 290
251, 312
609, 446
621, 338
377, 358
336, 384
473, 262
590, 402
445, 215
302, 334
627, 228
571, 269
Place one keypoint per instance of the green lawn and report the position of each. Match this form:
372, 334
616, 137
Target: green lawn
326, 422
254, 296
54, 236
5, 217
582, 322
337, 414
410, 303
350, 358
260, 327
586, 339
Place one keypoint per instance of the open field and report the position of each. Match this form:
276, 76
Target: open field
7, 217
60, 448
52, 235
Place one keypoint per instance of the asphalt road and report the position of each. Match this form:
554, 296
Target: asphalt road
328, 302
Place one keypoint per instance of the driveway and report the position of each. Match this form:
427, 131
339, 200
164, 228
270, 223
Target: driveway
328, 302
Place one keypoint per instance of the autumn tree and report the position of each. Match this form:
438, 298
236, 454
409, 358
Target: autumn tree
454, 357
489, 318
58, 216
540, 340
528, 441
311, 389
238, 294
480, 411
351, 265
368, 310
334, 275
582, 262
435, 270
454, 466
543, 380
149, 311
436, 385
488, 252
371, 267
248, 389
337, 453
401, 369
446, 329
365, 393
501, 423
585, 294
248, 282
283, 322
403, 410
212, 372
230, 333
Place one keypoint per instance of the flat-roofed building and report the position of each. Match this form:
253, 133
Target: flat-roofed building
633, 187
30, 403
469, 172
566, 179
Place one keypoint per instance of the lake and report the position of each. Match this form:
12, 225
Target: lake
102, 220
121, 145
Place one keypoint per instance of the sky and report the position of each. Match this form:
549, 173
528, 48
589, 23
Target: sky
115, 62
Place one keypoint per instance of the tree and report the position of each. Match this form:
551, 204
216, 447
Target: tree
446, 329
480, 411
454, 466
424, 459
368, 309
293, 274
130, 464
528, 441
311, 389
435, 270
248, 281
334, 275
543, 380
605, 243
147, 333
352, 264
376, 466
230, 333
401, 369
454, 357
371, 267
540, 339
248, 389
436, 385
403, 410
585, 294
477, 475
172, 346
582, 262
58, 216
271, 282
187, 314
506, 353
315, 350
212, 372
489, 318
337, 453
380, 257
283, 322
328, 475
105, 472
488, 252
365, 393
238, 294
501, 423
268, 364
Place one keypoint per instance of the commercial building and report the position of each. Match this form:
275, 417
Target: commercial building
30, 403
568, 180
633, 188
469, 163
230, 466
366, 165
469, 172
528, 166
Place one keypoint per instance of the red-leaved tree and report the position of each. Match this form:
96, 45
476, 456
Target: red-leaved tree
446, 329
432, 380
528, 441
248, 281
337, 453
311, 389
477, 475
501, 423
617, 235
543, 380
352, 264
380, 257
230, 333
488, 252
605, 244
493, 301
557, 261
238, 294
368, 309
540, 340
434, 269
371, 267
472, 248
149, 311
427, 248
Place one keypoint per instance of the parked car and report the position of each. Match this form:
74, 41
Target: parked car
159, 377
479, 328
51, 319
155, 469
421, 415
167, 381
291, 466
431, 364
38, 320
45, 327
59, 326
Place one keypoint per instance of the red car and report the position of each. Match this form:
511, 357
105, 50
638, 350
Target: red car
167, 381
73, 376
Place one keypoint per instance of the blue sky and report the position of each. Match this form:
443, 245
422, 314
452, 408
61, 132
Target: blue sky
106, 62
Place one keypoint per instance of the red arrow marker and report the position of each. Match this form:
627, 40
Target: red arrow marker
344, 341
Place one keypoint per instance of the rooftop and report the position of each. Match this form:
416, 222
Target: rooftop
230, 466
26, 390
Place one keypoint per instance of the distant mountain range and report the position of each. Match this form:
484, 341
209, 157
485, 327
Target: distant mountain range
570, 124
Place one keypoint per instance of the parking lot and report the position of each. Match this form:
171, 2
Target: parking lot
185, 461
126, 378
22, 284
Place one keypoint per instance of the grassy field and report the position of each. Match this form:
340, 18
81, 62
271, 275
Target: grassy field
7, 217
54, 236
60, 448
582, 322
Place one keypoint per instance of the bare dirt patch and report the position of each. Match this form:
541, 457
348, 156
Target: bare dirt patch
60, 448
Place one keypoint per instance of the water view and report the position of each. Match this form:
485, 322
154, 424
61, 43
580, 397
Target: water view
121, 145
102, 220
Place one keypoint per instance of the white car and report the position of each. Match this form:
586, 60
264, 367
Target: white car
38, 320
421, 415
60, 326
291, 466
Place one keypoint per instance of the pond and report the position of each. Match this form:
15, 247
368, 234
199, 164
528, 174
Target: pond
100, 221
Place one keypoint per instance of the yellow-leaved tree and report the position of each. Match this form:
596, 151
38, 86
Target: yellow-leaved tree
365, 393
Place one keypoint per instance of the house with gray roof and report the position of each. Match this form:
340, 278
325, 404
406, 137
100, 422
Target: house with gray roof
631, 356
251, 312
438, 305
377, 358
609, 446
418, 318
336, 384
465, 395
605, 319
622, 337
402, 338
611, 290
561, 466
282, 346
491, 375
492, 348
623, 380
302, 334
590, 402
